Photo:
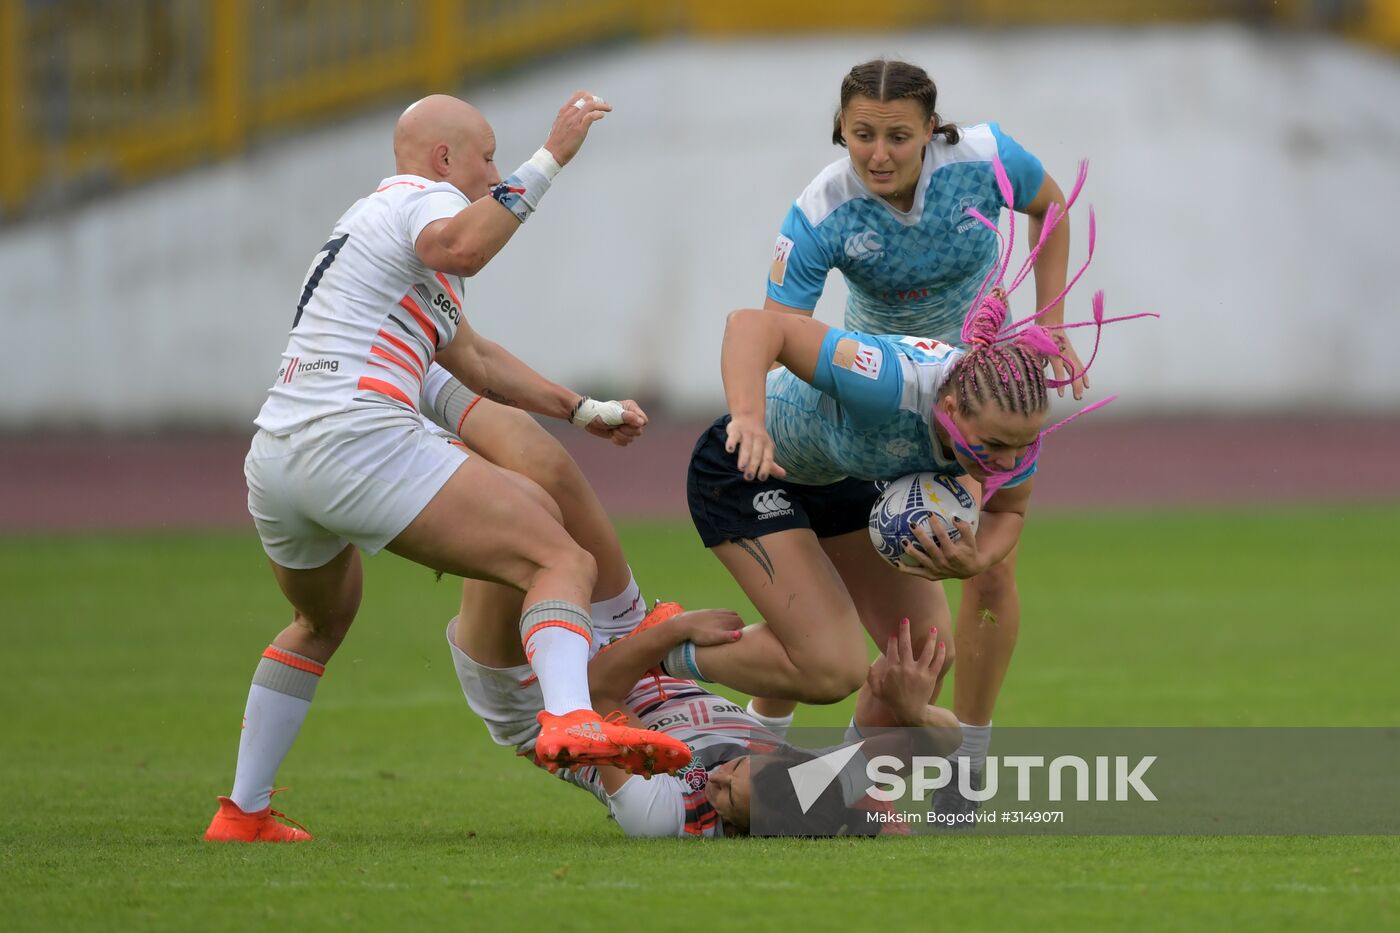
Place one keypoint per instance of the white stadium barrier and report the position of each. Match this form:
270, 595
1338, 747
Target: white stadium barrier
1245, 187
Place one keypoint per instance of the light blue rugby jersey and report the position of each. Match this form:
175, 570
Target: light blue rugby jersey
913, 273
868, 413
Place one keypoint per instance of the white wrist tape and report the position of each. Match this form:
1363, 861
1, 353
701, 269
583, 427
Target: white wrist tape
544, 160
588, 409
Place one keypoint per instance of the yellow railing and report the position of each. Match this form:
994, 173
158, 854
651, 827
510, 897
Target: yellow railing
102, 92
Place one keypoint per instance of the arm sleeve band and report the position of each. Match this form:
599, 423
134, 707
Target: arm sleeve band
863, 373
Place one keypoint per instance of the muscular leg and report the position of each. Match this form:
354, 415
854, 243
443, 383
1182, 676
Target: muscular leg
811, 646
485, 627
882, 596
324, 602
510, 438
989, 621
481, 524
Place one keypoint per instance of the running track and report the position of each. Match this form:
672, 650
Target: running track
74, 483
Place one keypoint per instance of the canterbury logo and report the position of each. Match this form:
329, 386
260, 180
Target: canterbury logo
771, 503
864, 245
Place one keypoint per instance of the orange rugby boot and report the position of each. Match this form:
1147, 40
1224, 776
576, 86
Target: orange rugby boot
585, 738
661, 612
231, 824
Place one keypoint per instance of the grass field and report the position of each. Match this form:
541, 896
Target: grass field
126, 661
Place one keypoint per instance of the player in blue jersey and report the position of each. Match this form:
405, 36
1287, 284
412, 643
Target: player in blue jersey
775, 488
893, 218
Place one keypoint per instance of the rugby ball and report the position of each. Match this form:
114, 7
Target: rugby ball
914, 500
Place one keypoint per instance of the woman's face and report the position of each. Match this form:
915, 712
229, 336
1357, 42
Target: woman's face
728, 791
998, 438
886, 140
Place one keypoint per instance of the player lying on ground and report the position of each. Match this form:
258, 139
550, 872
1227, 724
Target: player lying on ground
712, 797
343, 460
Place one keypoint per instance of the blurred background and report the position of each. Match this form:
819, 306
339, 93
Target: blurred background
169, 168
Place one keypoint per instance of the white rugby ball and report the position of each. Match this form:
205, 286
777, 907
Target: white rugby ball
915, 500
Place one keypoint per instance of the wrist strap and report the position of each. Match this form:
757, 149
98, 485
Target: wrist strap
520, 193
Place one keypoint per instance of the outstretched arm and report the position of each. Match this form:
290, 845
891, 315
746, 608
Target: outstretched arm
493, 372
614, 671
753, 341
466, 242
906, 686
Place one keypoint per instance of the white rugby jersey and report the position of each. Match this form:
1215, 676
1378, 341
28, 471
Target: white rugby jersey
716, 729
371, 316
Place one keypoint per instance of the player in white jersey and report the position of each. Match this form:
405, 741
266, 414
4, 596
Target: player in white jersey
713, 796
893, 219
343, 460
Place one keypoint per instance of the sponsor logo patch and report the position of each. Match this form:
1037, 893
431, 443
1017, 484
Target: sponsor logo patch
781, 251
860, 358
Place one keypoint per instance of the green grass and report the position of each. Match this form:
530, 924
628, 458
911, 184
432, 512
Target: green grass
126, 660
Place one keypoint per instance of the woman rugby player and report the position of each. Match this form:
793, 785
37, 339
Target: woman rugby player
892, 218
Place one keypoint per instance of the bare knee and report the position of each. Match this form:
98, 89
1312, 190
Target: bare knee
832, 681
568, 560
993, 585
327, 629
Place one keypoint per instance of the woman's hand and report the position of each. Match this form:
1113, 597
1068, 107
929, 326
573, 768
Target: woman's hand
634, 421
940, 557
707, 627
904, 681
750, 438
1060, 371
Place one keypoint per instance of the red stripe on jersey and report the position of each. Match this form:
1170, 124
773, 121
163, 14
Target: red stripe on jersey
392, 358
408, 351
291, 369
393, 183
424, 322
445, 284
385, 388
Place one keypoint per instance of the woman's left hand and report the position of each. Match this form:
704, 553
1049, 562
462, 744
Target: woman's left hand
904, 681
940, 557
1060, 371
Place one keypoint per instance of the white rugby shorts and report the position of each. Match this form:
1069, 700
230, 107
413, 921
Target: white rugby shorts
356, 477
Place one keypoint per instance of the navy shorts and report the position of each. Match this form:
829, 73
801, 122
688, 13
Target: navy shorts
727, 507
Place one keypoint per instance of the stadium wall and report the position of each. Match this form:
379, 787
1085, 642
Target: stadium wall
1244, 185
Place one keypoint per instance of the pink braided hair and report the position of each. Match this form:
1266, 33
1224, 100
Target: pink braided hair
985, 326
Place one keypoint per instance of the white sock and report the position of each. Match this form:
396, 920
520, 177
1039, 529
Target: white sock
557, 637
283, 687
615, 617
975, 742
778, 725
